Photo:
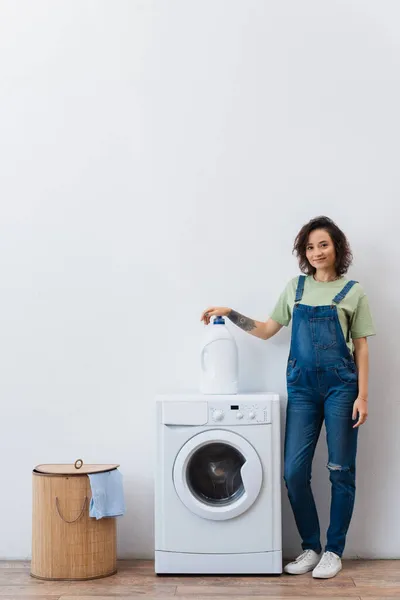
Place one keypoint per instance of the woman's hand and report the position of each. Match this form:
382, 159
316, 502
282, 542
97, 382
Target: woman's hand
360, 406
214, 311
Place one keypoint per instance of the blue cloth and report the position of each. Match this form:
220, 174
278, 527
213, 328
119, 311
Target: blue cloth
322, 384
107, 495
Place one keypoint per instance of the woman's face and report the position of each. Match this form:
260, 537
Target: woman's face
320, 250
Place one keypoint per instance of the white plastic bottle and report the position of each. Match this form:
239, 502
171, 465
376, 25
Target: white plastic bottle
219, 360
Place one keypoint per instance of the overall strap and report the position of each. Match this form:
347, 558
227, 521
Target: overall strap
300, 288
339, 297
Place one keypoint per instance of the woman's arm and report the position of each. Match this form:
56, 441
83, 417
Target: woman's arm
361, 356
260, 329
362, 362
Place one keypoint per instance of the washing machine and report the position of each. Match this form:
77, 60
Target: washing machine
218, 484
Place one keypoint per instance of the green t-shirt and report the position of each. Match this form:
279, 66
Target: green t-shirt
353, 311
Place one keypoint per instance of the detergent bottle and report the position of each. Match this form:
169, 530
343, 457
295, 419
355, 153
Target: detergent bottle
219, 360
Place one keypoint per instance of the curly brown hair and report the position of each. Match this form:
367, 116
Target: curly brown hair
344, 256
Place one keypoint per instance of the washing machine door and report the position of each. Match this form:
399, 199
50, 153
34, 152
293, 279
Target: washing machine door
217, 474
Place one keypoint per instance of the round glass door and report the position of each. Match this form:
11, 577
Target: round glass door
212, 474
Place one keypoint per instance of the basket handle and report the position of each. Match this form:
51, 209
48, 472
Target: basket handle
73, 520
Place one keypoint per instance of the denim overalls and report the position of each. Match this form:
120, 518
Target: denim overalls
322, 383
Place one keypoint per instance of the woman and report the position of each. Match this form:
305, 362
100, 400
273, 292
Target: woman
327, 378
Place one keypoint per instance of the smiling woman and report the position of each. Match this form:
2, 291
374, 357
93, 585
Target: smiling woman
321, 245
327, 380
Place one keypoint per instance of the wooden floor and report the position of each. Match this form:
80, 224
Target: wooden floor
358, 579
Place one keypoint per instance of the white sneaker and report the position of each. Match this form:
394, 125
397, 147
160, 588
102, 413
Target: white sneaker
329, 566
303, 563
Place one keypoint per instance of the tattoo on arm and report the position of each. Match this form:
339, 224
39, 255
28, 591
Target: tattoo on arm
243, 322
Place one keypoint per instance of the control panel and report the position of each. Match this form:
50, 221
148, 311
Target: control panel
243, 413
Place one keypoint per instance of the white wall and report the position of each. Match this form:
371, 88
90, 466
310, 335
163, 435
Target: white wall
160, 156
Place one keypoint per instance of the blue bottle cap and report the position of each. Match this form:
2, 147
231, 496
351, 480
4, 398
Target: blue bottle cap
219, 321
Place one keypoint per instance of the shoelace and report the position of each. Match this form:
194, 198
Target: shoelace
303, 555
327, 560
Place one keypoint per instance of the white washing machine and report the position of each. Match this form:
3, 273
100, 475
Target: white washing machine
218, 484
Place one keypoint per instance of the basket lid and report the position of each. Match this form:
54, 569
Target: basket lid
78, 468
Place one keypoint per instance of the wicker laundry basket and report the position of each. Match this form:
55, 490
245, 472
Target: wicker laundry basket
66, 542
